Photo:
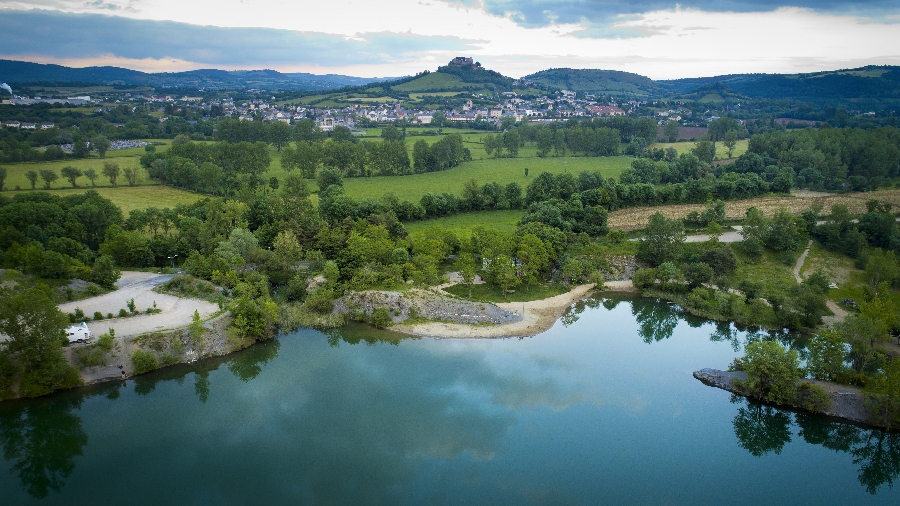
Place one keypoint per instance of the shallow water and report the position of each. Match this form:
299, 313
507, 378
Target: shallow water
602, 408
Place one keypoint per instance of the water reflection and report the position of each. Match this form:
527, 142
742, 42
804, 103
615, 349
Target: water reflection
761, 429
41, 439
247, 366
656, 320
573, 312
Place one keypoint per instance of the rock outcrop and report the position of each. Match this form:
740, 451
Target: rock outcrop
847, 402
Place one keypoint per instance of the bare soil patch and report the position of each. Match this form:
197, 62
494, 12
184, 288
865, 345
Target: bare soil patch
637, 217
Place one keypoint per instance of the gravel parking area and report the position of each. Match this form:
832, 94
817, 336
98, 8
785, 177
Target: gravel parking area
175, 312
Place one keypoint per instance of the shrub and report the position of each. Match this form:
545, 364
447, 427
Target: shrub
321, 300
143, 361
813, 397
105, 341
772, 371
123, 313
381, 317
98, 315
644, 278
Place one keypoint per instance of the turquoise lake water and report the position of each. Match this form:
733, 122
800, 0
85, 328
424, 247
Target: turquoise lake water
600, 409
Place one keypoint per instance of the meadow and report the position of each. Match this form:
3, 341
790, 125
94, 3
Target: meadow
462, 224
500, 170
721, 152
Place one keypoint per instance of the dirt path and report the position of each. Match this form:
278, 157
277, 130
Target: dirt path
800, 261
732, 235
175, 312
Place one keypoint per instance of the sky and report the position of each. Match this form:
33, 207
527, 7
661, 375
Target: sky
390, 38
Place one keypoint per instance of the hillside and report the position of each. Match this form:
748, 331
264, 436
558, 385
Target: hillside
606, 82
19, 72
865, 85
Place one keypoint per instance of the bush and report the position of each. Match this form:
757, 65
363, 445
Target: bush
105, 341
98, 315
643, 278
381, 317
813, 397
143, 362
321, 300
772, 371
123, 313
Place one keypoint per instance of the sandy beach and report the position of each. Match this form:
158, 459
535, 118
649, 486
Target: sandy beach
538, 316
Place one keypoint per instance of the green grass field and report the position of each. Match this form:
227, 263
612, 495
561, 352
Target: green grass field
15, 172
136, 197
721, 152
462, 224
501, 170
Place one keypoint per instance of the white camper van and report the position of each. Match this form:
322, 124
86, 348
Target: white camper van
78, 333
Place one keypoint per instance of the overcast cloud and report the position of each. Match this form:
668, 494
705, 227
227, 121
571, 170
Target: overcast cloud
515, 37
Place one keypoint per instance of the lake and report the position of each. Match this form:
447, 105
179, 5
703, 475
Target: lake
600, 409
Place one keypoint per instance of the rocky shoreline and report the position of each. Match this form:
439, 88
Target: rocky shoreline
847, 402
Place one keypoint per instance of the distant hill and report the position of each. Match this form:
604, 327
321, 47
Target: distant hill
469, 78
605, 82
877, 87
872, 84
20, 72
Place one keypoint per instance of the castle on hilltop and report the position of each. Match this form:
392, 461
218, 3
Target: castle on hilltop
462, 61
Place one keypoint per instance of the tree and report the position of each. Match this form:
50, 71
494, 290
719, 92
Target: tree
670, 131
705, 150
465, 263
279, 134
663, 241
809, 302
34, 328
697, 273
100, 144
32, 177
826, 355
131, 175
503, 273
49, 176
112, 171
883, 395
881, 267
730, 141
534, 257
91, 174
105, 273
772, 371
72, 174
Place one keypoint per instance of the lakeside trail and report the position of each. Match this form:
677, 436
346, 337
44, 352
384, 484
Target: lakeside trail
537, 316
839, 312
800, 261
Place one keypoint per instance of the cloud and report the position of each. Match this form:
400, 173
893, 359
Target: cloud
91, 36
533, 13
360, 40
